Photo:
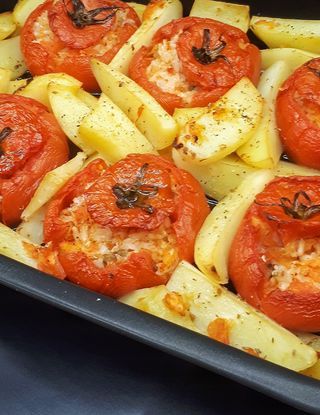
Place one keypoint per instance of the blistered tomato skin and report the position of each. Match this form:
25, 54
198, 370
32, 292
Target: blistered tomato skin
298, 114
209, 58
32, 144
61, 37
125, 227
274, 259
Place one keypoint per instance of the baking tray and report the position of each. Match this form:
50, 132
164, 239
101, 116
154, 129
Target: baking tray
272, 380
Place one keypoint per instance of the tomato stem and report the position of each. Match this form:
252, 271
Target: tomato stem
205, 55
134, 195
81, 17
296, 208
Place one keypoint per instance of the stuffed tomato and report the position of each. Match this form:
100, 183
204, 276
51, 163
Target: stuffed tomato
274, 259
193, 61
31, 144
298, 114
63, 36
124, 227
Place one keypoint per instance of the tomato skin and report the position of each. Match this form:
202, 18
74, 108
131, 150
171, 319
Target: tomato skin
68, 49
257, 246
48, 151
179, 198
212, 80
297, 111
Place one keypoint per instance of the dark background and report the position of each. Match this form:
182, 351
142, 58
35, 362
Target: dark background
52, 363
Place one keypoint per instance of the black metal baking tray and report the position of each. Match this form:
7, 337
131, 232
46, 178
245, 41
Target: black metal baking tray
275, 381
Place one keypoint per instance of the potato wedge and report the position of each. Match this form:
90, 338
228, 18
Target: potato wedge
87, 98
264, 148
23, 9
217, 178
292, 57
11, 56
139, 106
110, 132
13, 246
249, 330
138, 8
5, 75
16, 85
184, 115
237, 15
69, 111
156, 15
7, 25
32, 227
313, 341
227, 124
38, 87
213, 242
52, 183
160, 302
287, 33
223, 176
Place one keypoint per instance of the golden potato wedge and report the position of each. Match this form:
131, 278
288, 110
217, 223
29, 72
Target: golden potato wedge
5, 75
223, 176
38, 87
32, 227
162, 303
184, 115
287, 33
237, 15
313, 341
217, 178
87, 98
13, 246
249, 330
11, 56
7, 25
156, 15
52, 183
23, 9
16, 85
69, 111
139, 106
292, 57
218, 230
110, 132
138, 8
226, 125
264, 148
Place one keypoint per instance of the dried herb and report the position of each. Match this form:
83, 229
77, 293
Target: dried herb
300, 208
205, 55
81, 17
135, 194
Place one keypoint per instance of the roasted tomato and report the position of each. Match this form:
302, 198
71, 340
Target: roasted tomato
275, 256
63, 35
31, 144
298, 114
124, 227
193, 61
